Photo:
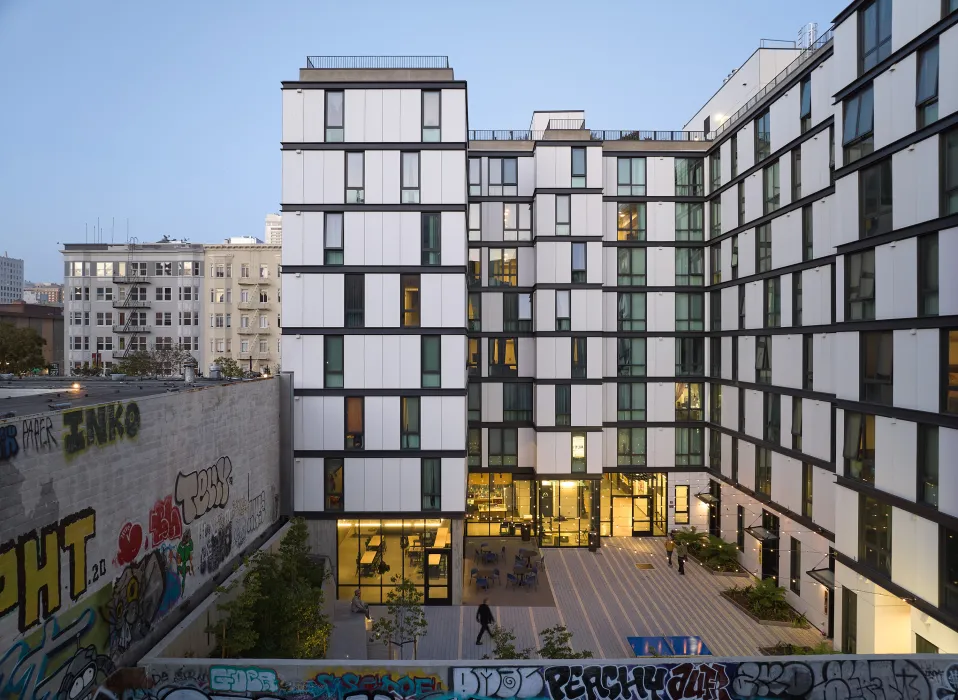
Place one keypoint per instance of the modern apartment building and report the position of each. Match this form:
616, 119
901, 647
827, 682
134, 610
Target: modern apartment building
126, 297
242, 301
274, 229
741, 326
11, 279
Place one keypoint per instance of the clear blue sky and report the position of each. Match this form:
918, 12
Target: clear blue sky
167, 112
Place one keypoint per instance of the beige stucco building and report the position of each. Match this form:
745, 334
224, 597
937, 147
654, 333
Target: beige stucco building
242, 300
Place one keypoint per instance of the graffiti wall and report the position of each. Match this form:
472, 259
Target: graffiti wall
112, 516
794, 678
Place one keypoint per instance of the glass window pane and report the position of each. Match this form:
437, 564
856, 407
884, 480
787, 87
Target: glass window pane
334, 109
562, 304
354, 169
334, 230
578, 256
638, 171
510, 174
625, 171
430, 108
410, 170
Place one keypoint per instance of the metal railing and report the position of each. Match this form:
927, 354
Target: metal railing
130, 304
792, 67
594, 135
377, 62
501, 135
131, 328
130, 279
566, 124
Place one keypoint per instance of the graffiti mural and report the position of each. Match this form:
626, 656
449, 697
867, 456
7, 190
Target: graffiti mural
9, 445
165, 521
335, 685
243, 679
38, 434
217, 542
99, 425
128, 543
205, 489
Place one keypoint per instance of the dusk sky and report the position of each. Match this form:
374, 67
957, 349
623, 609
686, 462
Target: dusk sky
168, 114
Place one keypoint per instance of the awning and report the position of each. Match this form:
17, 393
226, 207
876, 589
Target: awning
706, 497
826, 577
761, 534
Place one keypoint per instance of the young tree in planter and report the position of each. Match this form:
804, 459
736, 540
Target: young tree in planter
405, 620
504, 646
555, 644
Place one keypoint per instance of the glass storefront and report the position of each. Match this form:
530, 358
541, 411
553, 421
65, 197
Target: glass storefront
633, 505
498, 503
371, 552
567, 512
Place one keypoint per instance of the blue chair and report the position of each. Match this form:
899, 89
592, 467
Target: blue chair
482, 582
532, 579
513, 579
497, 575
473, 573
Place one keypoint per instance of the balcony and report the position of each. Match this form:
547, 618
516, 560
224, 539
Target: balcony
132, 328
259, 356
248, 280
593, 134
130, 279
377, 62
120, 354
253, 305
248, 331
130, 304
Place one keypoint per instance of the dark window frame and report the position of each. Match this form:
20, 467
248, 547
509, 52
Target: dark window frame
796, 173
627, 346
410, 436
334, 500
875, 185
578, 465
475, 188
689, 221
631, 278
858, 125
772, 423
797, 300
334, 254
579, 275
859, 293
808, 361
808, 489
430, 377
431, 496
949, 372
763, 248
413, 192
685, 408
740, 528
771, 188
808, 233
631, 221
693, 182
631, 401
626, 442
502, 458
929, 464
876, 46
354, 440
474, 311
341, 128
629, 187
431, 250
564, 323
692, 261
579, 178
512, 320
499, 274
876, 367
430, 129
795, 565
772, 301
626, 304
695, 302
690, 357
333, 372
805, 104
763, 471
875, 539
949, 175
733, 150
517, 401
694, 440
502, 369
358, 195
579, 357
926, 105
354, 300
563, 400
762, 126
928, 275
859, 460
411, 315
682, 515
763, 359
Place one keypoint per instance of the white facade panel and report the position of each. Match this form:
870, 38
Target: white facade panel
453, 116
913, 201
314, 116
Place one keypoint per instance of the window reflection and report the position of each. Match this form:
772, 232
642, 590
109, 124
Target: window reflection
497, 504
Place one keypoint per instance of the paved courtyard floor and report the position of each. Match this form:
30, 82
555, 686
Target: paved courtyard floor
603, 598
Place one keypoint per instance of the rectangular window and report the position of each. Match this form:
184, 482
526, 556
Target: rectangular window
474, 447
355, 420
860, 276
763, 248
503, 177
763, 359
807, 489
475, 311
409, 178
334, 116
874, 549
630, 445
741, 203
475, 221
431, 361
796, 298
503, 267
773, 302
410, 300
563, 404
630, 265
763, 136
715, 219
805, 100
876, 367
475, 177
578, 452
928, 275
474, 268
631, 177
795, 566
431, 246
740, 528
874, 34
849, 643
715, 171
688, 401
949, 173
715, 403
333, 484
431, 116
503, 447
689, 222
631, 311
859, 447
770, 182
797, 173
689, 177
473, 357
797, 423
354, 294
689, 357
432, 484
579, 366
928, 464
858, 139
808, 361
409, 422
715, 357
631, 221
926, 100
715, 312
773, 418
503, 357
808, 251
689, 267
733, 148
563, 310
630, 401
563, 215
735, 462
923, 646
689, 311
689, 447
578, 263
630, 357
734, 260
681, 505
333, 239
715, 263
517, 401
578, 167
517, 312
355, 178
949, 571
763, 471
949, 356
875, 185
475, 401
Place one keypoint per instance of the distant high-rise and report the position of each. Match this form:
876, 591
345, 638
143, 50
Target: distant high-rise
11, 279
274, 229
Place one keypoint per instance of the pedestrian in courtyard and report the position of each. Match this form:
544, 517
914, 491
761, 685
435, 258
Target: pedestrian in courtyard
669, 547
681, 551
484, 618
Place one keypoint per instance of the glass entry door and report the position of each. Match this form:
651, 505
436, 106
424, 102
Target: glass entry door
437, 577
641, 516
622, 516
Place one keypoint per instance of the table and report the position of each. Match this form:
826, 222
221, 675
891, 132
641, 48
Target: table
442, 538
434, 559
375, 542
368, 557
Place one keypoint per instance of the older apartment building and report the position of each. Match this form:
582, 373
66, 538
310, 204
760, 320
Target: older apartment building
740, 326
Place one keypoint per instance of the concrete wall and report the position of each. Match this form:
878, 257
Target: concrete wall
115, 518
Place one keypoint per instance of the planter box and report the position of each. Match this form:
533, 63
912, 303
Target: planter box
767, 623
720, 573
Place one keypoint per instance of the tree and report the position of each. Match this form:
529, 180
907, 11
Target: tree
21, 349
278, 613
504, 645
153, 362
228, 366
405, 620
137, 363
556, 644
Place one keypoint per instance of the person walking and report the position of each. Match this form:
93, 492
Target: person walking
682, 552
669, 548
484, 618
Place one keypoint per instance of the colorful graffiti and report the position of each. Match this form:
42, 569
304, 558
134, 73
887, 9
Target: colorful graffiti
333, 685
243, 679
99, 425
165, 521
205, 489
128, 543
9, 445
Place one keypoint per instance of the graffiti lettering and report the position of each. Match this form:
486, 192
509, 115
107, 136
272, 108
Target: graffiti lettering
30, 567
128, 543
339, 685
200, 491
217, 542
257, 513
38, 433
165, 521
103, 425
499, 682
9, 447
243, 679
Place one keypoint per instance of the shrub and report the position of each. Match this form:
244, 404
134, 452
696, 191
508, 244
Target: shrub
691, 538
719, 555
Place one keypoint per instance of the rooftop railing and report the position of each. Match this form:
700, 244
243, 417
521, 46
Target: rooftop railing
566, 124
790, 70
594, 135
377, 62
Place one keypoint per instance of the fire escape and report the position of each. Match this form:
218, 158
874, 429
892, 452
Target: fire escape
133, 301
254, 332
